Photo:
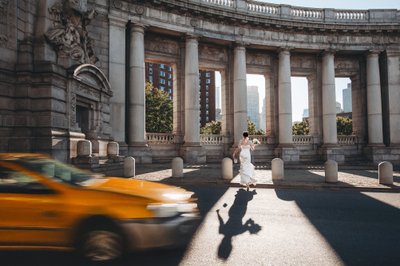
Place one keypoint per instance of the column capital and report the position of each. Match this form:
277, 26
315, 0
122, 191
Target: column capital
191, 36
284, 49
374, 52
117, 21
239, 44
137, 27
329, 51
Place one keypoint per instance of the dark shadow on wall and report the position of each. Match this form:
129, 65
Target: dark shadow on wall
361, 229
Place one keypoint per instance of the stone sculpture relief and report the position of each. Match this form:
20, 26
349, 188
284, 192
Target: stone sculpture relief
69, 35
162, 45
212, 53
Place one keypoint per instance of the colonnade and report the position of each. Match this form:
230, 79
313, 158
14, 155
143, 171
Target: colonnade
136, 136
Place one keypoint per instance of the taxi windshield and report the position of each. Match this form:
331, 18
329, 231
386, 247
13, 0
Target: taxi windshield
56, 170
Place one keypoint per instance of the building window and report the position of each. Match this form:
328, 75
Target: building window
162, 74
208, 81
169, 76
162, 88
162, 66
151, 79
208, 74
162, 81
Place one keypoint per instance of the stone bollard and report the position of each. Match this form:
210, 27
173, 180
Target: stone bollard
385, 173
227, 168
277, 169
331, 171
113, 148
177, 167
84, 148
129, 167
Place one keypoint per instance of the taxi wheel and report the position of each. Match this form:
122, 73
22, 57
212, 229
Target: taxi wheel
101, 245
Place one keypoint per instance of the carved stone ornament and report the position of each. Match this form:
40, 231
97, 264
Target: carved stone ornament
212, 53
117, 4
139, 10
194, 22
162, 45
69, 35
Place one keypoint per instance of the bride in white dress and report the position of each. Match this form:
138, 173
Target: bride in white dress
246, 167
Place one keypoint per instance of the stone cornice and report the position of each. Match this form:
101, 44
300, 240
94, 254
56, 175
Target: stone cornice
284, 17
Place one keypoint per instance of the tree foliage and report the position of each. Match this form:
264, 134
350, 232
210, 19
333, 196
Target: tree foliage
159, 110
212, 127
301, 128
344, 125
251, 128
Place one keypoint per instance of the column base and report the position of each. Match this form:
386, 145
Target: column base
141, 153
193, 154
287, 153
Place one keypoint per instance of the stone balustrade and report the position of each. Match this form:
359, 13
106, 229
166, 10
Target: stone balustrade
160, 138
226, 3
352, 15
307, 13
347, 140
302, 140
263, 8
263, 139
373, 16
210, 139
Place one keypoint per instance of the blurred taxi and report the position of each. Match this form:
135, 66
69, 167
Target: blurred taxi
45, 204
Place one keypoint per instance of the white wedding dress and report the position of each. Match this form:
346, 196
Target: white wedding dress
246, 167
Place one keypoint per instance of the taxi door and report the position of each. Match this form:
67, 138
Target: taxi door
31, 214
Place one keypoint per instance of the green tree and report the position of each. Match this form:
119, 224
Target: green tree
301, 128
159, 110
251, 128
212, 127
344, 125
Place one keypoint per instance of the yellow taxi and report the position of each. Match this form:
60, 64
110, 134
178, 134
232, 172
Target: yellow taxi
46, 204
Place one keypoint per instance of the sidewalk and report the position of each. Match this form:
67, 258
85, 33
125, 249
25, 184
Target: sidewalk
210, 174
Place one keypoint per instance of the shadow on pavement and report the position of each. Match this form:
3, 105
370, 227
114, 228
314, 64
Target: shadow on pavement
234, 225
367, 235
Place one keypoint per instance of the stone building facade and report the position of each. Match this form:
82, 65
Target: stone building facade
74, 69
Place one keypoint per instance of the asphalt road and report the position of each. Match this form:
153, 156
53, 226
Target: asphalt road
273, 227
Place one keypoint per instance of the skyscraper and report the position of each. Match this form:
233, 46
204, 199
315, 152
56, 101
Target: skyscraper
347, 99
207, 96
253, 105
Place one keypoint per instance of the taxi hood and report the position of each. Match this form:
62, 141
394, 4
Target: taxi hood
140, 188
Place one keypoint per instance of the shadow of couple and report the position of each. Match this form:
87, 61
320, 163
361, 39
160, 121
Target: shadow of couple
234, 225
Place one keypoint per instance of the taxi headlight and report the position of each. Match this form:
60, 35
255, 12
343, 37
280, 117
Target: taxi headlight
171, 209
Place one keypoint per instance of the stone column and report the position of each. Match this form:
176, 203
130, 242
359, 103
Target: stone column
117, 77
192, 93
136, 102
328, 99
191, 151
285, 99
393, 63
136, 88
374, 104
239, 92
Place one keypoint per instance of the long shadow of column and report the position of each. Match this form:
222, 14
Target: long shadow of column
234, 225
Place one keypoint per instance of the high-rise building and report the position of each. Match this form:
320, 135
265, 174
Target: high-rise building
253, 105
347, 99
207, 96
161, 76
263, 117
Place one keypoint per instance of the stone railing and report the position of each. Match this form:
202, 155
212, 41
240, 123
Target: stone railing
362, 15
305, 13
347, 140
263, 139
226, 3
263, 8
302, 140
210, 139
160, 138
